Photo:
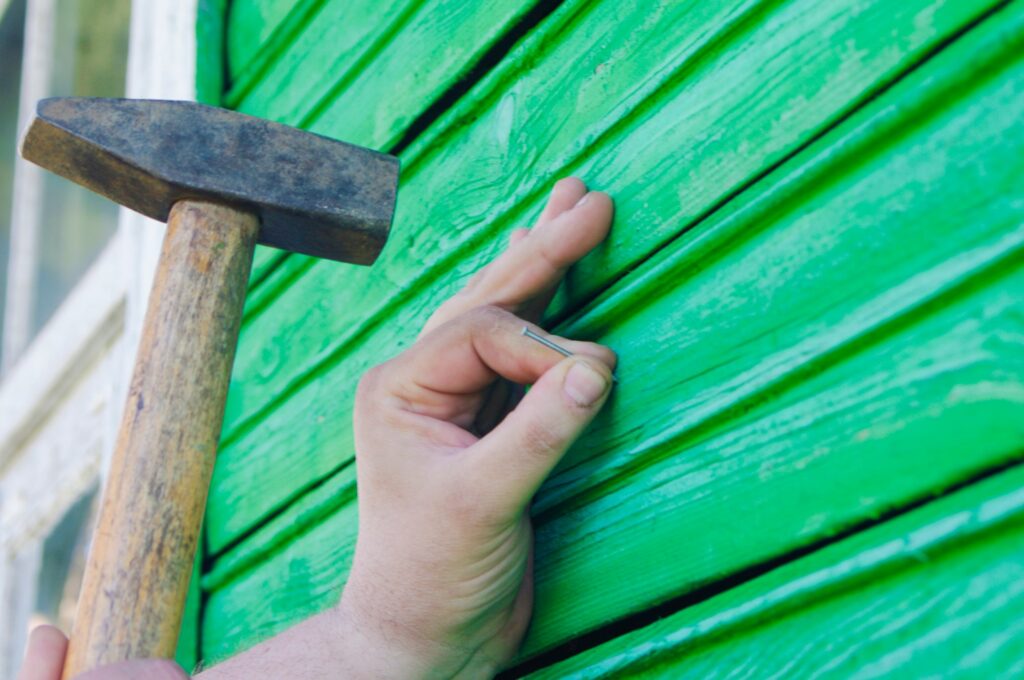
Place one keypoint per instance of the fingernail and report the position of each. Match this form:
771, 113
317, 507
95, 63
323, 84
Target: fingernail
583, 384
583, 200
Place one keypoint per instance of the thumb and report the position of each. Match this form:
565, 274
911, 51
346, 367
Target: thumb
44, 656
529, 442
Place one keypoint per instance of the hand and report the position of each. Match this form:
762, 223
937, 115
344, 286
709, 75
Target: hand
441, 584
44, 660
442, 573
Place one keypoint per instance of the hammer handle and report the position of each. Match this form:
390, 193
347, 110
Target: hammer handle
136, 579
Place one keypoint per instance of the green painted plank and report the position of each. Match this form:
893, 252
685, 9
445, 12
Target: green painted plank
265, 260
388, 63
267, 26
347, 60
187, 653
434, 50
327, 519
791, 396
262, 34
288, 422
934, 593
324, 50
210, 54
369, 69
745, 508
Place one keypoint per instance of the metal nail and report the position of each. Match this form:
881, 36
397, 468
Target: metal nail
551, 345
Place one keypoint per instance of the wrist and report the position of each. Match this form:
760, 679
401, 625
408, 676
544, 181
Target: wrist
391, 642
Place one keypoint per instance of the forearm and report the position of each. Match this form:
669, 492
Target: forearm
337, 643
328, 646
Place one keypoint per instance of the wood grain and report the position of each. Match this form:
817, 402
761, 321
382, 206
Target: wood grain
257, 29
756, 411
464, 188
211, 55
936, 592
363, 72
786, 476
324, 52
137, 576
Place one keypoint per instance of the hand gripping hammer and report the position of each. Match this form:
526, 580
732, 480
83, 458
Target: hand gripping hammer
223, 182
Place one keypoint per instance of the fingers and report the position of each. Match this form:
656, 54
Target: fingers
524, 277
564, 195
467, 354
47, 647
519, 453
44, 655
535, 264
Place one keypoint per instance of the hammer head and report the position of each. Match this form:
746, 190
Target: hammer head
314, 195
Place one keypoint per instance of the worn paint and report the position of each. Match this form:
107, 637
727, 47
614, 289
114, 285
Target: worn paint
363, 72
448, 219
937, 592
812, 283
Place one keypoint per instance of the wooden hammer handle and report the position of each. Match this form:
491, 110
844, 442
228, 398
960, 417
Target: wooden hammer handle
139, 566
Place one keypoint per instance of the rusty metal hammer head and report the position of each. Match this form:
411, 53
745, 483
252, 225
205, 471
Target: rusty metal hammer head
313, 195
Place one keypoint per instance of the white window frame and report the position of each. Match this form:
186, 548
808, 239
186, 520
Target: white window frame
61, 396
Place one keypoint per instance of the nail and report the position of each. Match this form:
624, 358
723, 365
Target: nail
584, 385
558, 348
547, 343
583, 200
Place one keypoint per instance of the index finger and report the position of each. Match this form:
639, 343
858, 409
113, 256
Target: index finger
470, 352
523, 278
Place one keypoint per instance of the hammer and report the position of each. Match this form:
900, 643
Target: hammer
223, 182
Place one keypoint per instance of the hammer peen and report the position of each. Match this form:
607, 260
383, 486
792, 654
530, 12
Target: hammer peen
223, 181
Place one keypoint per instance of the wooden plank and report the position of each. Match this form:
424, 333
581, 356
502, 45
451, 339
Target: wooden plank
371, 70
438, 47
210, 56
797, 485
326, 518
289, 415
325, 50
252, 26
753, 404
187, 654
935, 593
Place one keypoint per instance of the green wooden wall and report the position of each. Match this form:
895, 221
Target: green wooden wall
814, 282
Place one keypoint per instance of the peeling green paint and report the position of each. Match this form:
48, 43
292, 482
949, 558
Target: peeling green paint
813, 283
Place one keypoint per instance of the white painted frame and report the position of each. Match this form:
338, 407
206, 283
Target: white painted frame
61, 399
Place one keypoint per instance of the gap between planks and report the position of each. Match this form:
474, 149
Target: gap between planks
441, 105
336, 354
645, 618
872, 94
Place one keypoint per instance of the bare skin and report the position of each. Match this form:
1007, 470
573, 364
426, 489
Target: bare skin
449, 455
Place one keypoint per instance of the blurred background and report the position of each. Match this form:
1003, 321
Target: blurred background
88, 57
50, 229
73, 283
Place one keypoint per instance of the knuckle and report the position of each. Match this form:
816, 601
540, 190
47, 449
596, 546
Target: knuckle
369, 382
488, 316
369, 388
